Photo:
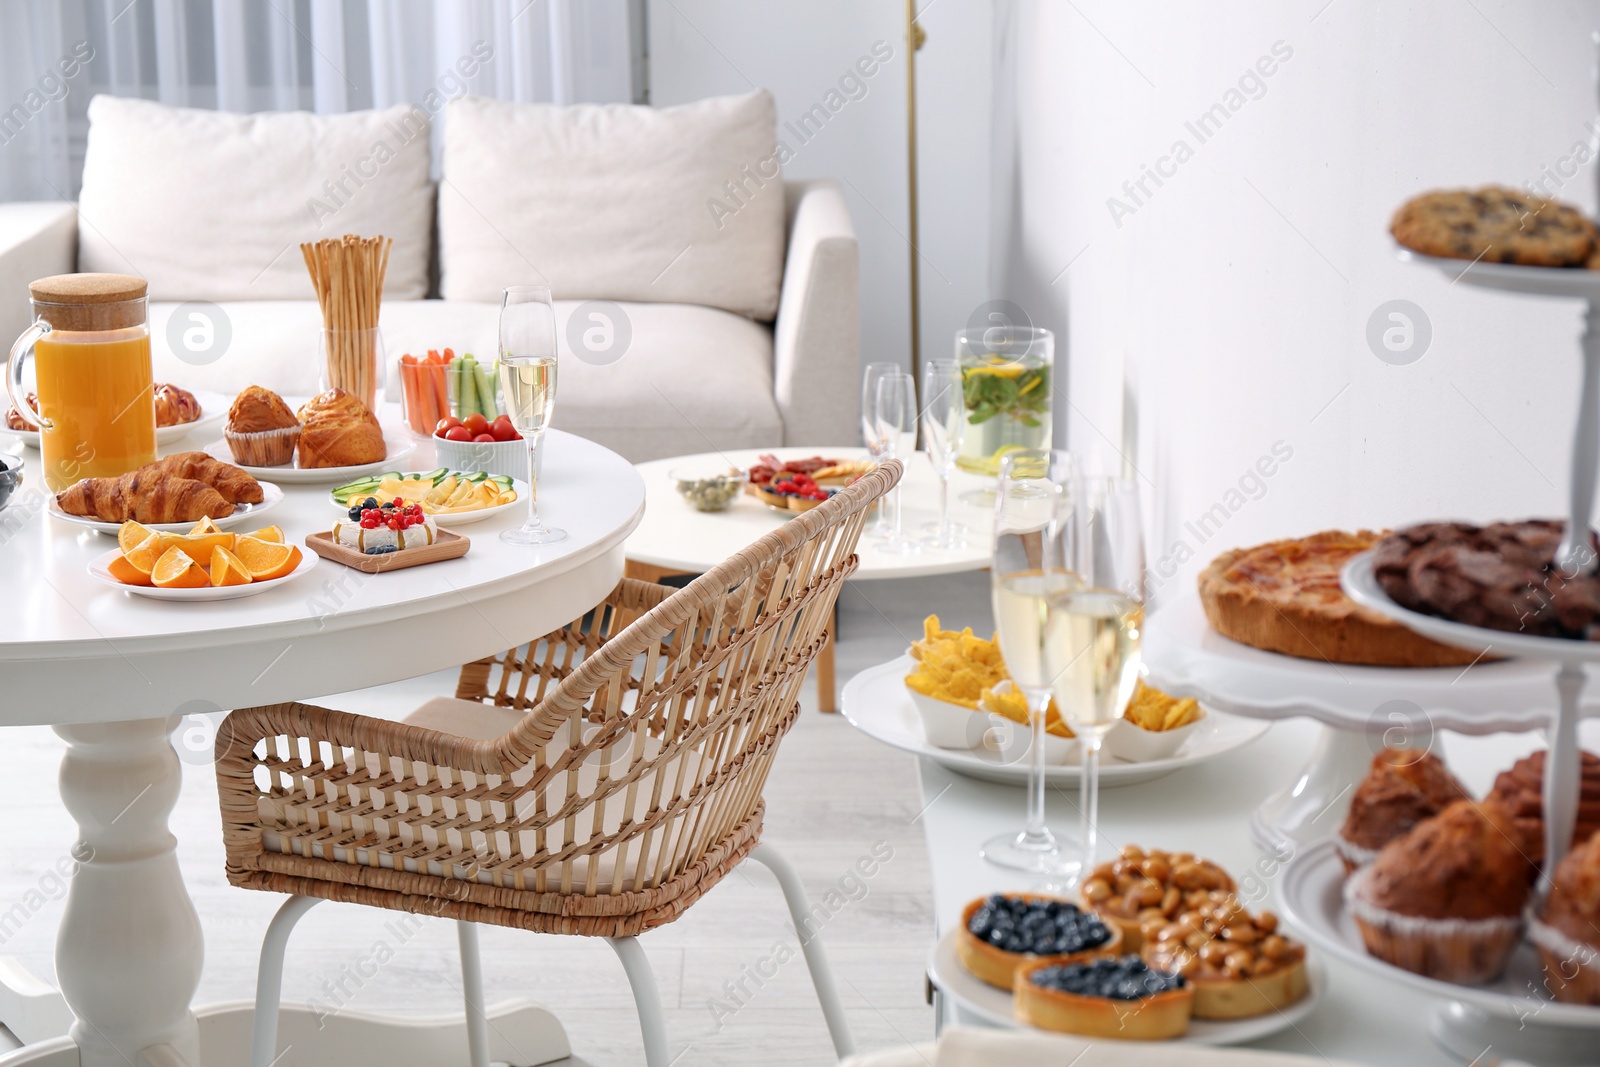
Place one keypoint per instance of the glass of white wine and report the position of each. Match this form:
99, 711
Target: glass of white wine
1093, 632
1032, 493
528, 379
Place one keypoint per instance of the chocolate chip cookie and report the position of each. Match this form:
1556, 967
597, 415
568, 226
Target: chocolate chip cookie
1495, 224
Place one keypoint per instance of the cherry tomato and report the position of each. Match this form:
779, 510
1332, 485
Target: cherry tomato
502, 429
458, 433
445, 425
476, 423
485, 438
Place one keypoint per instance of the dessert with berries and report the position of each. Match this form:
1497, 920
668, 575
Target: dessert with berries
1116, 997
1241, 965
375, 528
1001, 932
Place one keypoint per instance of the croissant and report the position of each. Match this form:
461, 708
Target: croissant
175, 406
235, 485
144, 495
337, 430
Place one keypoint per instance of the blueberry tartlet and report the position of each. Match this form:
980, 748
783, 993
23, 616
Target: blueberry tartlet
1002, 932
1116, 997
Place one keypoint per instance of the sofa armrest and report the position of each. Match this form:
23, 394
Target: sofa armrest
37, 239
817, 336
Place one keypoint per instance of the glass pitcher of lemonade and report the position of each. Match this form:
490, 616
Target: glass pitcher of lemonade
96, 411
1007, 391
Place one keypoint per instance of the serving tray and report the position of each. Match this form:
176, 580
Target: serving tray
446, 546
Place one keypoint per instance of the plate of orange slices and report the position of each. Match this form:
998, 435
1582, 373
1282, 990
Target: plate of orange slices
205, 563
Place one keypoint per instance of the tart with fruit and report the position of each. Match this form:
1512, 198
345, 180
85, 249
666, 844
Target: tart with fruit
1002, 932
1114, 997
1241, 965
376, 529
1144, 887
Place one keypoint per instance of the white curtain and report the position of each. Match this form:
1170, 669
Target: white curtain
285, 55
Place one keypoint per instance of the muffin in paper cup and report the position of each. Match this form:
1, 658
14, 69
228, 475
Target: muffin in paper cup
1463, 951
1353, 856
1571, 967
264, 448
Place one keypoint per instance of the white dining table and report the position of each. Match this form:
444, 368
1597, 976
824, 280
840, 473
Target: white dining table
113, 673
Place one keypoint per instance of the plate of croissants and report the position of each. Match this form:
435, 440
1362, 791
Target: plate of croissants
179, 413
169, 495
333, 437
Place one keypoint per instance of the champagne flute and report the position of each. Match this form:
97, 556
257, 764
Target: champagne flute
896, 410
528, 378
1093, 639
944, 419
1032, 493
872, 435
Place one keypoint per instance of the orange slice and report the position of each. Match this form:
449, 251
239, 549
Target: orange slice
130, 533
204, 526
200, 546
143, 556
176, 569
127, 573
268, 533
227, 570
266, 560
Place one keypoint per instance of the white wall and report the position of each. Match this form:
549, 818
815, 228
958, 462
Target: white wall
1234, 300
799, 50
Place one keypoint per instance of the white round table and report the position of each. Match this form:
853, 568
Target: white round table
114, 672
675, 539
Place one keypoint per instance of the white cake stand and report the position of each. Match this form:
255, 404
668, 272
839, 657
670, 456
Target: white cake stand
1361, 709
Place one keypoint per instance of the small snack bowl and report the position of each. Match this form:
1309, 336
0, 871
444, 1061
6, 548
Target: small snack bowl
1010, 740
10, 477
1134, 744
708, 489
492, 457
948, 725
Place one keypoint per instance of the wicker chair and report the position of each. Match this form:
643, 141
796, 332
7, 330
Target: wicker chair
597, 781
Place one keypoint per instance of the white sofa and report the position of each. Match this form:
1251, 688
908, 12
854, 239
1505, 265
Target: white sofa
694, 378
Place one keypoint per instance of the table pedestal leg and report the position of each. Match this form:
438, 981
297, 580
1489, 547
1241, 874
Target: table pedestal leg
129, 950
1314, 806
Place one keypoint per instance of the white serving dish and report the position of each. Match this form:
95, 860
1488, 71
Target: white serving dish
994, 1006
1015, 739
397, 445
98, 571
503, 457
1137, 745
243, 514
948, 725
465, 518
213, 409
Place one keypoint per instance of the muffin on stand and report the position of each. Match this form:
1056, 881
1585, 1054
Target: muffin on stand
1521, 791
1402, 788
1567, 931
261, 430
1445, 901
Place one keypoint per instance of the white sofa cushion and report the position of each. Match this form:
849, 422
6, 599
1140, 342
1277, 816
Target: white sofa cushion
656, 400
614, 202
208, 205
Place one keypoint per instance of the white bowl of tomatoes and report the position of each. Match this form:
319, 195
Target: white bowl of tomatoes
476, 443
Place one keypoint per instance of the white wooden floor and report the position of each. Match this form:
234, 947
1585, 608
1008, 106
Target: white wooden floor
833, 797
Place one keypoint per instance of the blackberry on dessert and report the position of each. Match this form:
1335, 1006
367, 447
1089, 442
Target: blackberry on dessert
1116, 997
1001, 932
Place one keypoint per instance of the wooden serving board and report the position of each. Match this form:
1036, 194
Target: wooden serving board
446, 546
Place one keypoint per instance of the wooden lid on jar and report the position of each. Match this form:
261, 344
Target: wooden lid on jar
90, 301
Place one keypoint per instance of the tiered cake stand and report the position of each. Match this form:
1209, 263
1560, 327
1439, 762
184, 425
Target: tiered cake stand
1514, 1015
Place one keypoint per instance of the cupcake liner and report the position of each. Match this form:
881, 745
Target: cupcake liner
1353, 856
263, 448
1463, 951
1571, 967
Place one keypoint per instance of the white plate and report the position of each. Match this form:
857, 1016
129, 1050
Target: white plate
1184, 656
1361, 585
398, 444
1311, 899
98, 571
1512, 277
877, 703
213, 409
466, 518
271, 497
993, 1005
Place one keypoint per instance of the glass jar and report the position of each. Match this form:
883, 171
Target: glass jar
1007, 391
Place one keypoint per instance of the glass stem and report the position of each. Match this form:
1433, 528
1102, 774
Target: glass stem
533, 481
944, 503
1038, 705
897, 512
1089, 800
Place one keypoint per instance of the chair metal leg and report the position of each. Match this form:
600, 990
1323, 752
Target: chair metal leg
794, 895
652, 1022
269, 979
472, 995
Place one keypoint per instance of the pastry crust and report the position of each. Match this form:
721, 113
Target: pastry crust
1245, 998
1154, 1018
999, 967
1284, 597
338, 430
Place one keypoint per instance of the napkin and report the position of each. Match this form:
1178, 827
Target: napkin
961, 1047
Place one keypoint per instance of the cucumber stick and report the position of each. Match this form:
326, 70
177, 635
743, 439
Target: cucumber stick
467, 386
486, 402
